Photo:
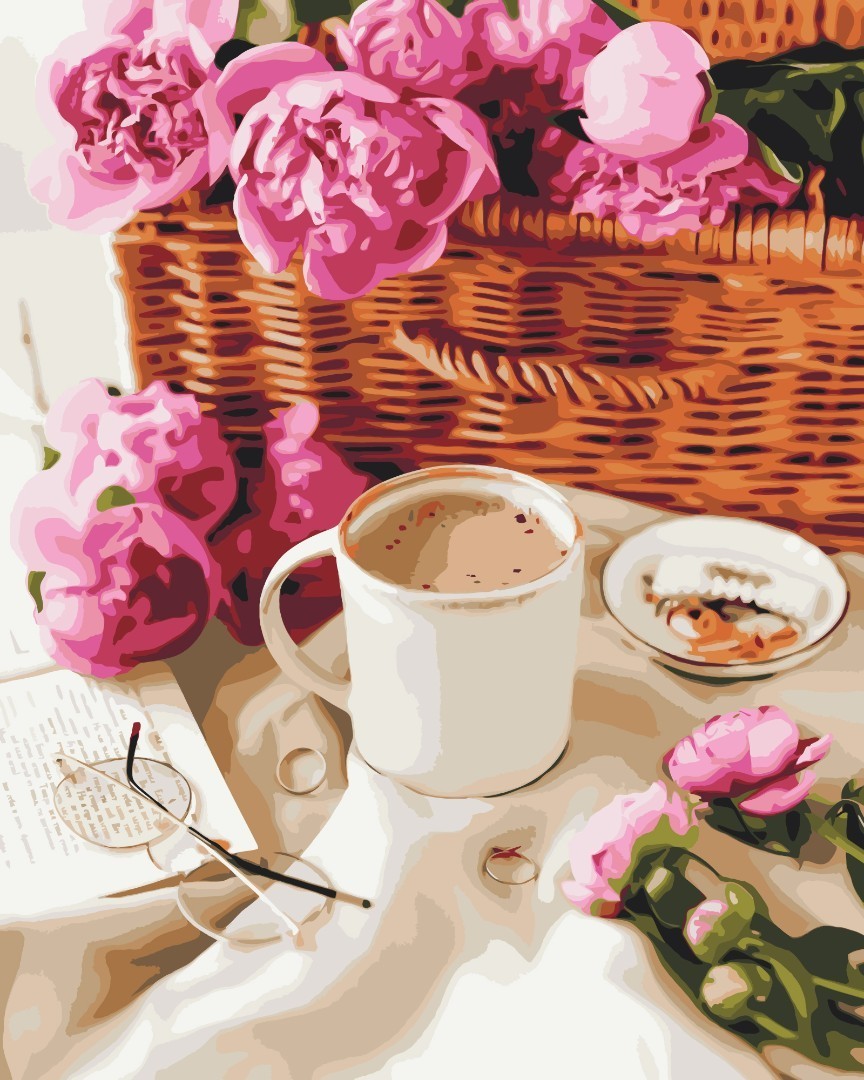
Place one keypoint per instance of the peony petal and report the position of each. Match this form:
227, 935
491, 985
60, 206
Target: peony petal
753, 180
413, 45
779, 796
76, 197
773, 744
214, 19
187, 175
272, 241
604, 903
288, 431
606, 851
644, 92
732, 753
130, 17
107, 608
463, 127
54, 71
97, 189
714, 147
72, 414
555, 38
335, 276
812, 750
316, 90
220, 132
250, 77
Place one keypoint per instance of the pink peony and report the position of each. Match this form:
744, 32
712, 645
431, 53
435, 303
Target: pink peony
302, 489
756, 756
73, 419
336, 163
131, 103
516, 74
555, 39
418, 47
605, 855
414, 45
682, 189
129, 585
645, 91
155, 444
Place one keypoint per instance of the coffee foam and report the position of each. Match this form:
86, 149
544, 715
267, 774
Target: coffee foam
460, 540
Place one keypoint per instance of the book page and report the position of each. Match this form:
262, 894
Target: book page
44, 863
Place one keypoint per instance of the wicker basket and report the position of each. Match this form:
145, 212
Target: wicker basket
721, 372
755, 29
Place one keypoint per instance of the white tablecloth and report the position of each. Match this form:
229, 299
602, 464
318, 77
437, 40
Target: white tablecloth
447, 974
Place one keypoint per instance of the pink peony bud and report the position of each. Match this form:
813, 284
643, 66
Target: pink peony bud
756, 756
645, 92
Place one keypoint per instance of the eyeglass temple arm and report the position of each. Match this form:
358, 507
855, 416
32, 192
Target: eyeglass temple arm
235, 860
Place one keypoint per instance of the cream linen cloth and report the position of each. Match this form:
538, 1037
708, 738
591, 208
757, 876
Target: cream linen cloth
449, 974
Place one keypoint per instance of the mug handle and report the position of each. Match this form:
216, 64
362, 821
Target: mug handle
290, 657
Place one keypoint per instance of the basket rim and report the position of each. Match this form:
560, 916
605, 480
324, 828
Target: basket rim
800, 241
764, 235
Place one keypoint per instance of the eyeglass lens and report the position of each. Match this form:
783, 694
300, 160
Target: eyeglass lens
110, 814
224, 907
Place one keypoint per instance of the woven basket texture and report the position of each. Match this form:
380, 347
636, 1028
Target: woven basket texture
756, 29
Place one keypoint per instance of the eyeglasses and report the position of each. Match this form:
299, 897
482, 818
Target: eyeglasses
144, 803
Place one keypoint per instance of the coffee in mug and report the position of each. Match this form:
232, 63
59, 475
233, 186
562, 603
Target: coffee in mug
459, 544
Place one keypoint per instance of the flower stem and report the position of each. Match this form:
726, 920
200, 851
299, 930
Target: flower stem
838, 988
819, 800
742, 821
778, 1030
835, 837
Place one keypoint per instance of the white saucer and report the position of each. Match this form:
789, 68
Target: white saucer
651, 575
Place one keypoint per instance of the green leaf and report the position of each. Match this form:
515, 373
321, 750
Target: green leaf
848, 816
316, 11
248, 12
781, 834
618, 12
34, 587
512, 7
50, 457
114, 496
789, 170
808, 115
852, 790
668, 892
710, 108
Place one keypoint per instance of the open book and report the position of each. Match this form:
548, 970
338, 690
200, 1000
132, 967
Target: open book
44, 865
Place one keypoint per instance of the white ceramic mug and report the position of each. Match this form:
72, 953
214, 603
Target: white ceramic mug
453, 694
